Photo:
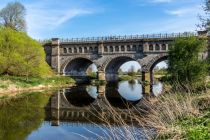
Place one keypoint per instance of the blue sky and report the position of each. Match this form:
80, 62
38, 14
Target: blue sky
87, 18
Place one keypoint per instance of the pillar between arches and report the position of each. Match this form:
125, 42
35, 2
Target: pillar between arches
101, 89
101, 76
147, 79
55, 109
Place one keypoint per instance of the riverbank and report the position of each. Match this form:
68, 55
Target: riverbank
13, 84
128, 77
170, 116
183, 117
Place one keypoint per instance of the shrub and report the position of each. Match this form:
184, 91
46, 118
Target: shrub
185, 64
20, 55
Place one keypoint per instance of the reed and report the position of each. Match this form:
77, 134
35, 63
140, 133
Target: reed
152, 118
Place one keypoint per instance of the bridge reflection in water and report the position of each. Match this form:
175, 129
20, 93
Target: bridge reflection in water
84, 104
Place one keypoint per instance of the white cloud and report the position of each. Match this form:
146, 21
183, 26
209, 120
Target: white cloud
40, 17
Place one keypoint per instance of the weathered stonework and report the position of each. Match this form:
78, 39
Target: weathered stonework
73, 57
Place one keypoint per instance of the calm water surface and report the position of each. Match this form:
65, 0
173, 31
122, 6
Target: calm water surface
67, 114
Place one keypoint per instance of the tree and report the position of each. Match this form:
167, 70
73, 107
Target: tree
139, 71
20, 55
205, 21
185, 64
120, 71
13, 16
89, 70
131, 71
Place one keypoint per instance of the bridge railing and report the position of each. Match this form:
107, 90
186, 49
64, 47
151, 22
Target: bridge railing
126, 37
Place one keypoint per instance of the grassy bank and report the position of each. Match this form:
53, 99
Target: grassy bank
18, 84
171, 116
128, 77
182, 116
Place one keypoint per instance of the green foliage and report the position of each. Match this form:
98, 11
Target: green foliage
196, 128
131, 71
93, 75
125, 77
35, 81
185, 65
209, 65
120, 72
98, 82
160, 71
13, 16
20, 55
198, 133
20, 116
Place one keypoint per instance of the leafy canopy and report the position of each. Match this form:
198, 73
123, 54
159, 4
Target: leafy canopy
186, 65
20, 55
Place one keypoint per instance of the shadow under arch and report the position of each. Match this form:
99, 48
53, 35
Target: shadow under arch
149, 68
112, 67
80, 96
76, 66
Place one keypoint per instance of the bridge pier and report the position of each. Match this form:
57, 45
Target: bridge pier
55, 55
147, 79
101, 90
55, 105
101, 76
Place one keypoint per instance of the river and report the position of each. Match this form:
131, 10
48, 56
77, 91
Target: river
75, 113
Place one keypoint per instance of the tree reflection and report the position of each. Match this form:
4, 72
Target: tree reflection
131, 84
20, 116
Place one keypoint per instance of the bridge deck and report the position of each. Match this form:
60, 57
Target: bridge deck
126, 37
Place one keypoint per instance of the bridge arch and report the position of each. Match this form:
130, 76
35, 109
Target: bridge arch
76, 66
154, 61
112, 65
148, 64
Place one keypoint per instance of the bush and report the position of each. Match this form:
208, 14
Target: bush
20, 55
185, 65
93, 75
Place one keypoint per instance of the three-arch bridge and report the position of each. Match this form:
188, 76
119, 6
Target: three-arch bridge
73, 57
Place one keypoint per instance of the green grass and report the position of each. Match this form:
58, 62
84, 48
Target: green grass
192, 126
126, 77
196, 128
98, 82
3, 86
23, 82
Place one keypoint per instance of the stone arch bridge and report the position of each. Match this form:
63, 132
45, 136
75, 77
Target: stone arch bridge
73, 56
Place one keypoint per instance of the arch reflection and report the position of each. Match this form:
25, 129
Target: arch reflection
121, 95
130, 90
81, 96
124, 94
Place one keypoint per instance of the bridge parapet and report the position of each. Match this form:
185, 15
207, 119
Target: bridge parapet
125, 37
